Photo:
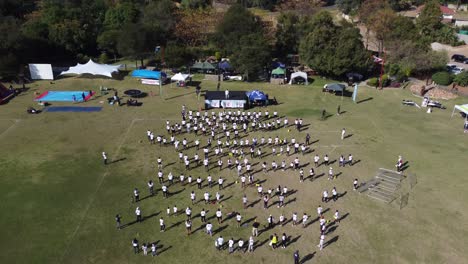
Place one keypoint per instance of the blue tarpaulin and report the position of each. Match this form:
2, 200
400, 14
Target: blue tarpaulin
148, 74
224, 65
256, 95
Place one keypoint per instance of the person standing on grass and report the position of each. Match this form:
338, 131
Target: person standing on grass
296, 257
144, 247
321, 242
162, 226
188, 226
251, 244
316, 160
104, 157
240, 245
343, 132
203, 215
199, 182
301, 175
118, 221
330, 173
160, 166
220, 183
209, 229
136, 195
338, 112
325, 196
231, 245
238, 219
160, 177
219, 216
281, 200
188, 212
265, 202
218, 198
175, 210
219, 242
307, 139
151, 187
192, 197
153, 250
326, 160
350, 160
281, 220
209, 180
164, 190
136, 247
336, 216
206, 196
284, 240
255, 227
294, 219
244, 201
305, 217
342, 161
319, 210
138, 215
334, 194
355, 184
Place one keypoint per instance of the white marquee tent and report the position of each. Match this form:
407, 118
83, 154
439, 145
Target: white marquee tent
180, 77
299, 74
461, 108
93, 68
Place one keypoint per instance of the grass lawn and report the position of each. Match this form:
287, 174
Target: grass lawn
59, 201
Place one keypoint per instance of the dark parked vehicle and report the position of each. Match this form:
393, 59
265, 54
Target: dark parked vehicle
460, 58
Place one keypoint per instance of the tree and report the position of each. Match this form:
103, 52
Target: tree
178, 55
196, 4
461, 79
194, 27
346, 6
333, 50
430, 19
287, 34
159, 21
236, 23
119, 15
134, 41
251, 57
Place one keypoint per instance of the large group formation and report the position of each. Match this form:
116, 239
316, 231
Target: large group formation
231, 145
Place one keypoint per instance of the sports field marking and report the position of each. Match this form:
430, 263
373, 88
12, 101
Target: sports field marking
16, 121
93, 196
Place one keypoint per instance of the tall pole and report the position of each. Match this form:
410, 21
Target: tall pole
382, 70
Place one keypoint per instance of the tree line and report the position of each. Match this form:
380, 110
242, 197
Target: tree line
64, 31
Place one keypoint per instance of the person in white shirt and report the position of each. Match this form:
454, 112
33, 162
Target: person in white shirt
330, 173
322, 239
231, 245
316, 160
144, 247
192, 197
350, 160
304, 220
170, 178
294, 219
326, 160
203, 215
199, 182
188, 212
164, 190
355, 184
209, 229
244, 201
206, 195
162, 226
226, 93
160, 177
281, 219
218, 198
104, 157
343, 132
325, 196
219, 243
337, 216
251, 244
220, 183
240, 245
238, 219
139, 218
334, 194
188, 226
174, 210
319, 210
219, 216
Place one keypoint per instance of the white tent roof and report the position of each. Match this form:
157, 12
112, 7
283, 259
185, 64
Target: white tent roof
298, 74
462, 108
93, 68
180, 77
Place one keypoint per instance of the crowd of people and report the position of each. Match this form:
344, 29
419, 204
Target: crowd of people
227, 140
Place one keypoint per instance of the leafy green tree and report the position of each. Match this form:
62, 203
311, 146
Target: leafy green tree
331, 49
346, 6
236, 23
287, 34
159, 20
461, 79
194, 4
121, 14
10, 44
430, 19
251, 57
134, 42
178, 56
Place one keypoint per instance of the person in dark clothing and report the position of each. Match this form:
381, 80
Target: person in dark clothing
296, 257
307, 139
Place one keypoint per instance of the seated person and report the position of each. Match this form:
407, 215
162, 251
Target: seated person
31, 110
132, 102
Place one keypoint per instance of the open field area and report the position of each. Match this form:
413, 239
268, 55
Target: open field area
58, 200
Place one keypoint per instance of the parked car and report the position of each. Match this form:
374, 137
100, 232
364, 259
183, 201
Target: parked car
459, 58
452, 68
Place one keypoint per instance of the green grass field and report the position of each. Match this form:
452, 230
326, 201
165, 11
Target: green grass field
58, 200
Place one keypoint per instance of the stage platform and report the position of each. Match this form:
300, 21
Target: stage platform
217, 99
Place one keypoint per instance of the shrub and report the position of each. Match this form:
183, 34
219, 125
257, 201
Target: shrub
461, 79
103, 58
373, 82
385, 80
442, 78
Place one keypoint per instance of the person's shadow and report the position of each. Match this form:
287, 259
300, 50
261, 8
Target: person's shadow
307, 257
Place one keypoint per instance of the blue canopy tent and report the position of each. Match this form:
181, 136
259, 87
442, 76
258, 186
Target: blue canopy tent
224, 65
257, 97
148, 74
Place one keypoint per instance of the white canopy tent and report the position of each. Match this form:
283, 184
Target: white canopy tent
461, 108
92, 68
180, 77
299, 74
